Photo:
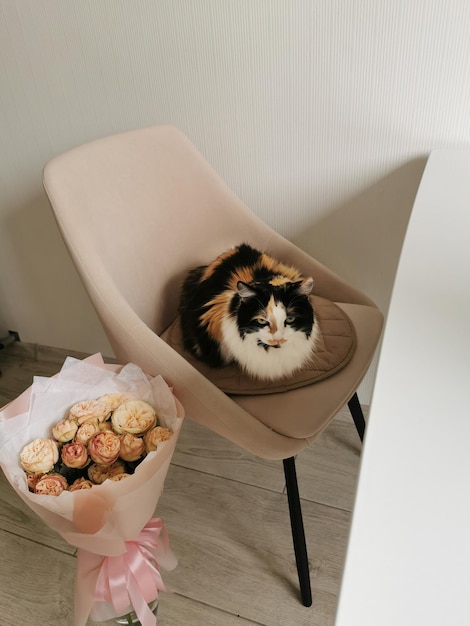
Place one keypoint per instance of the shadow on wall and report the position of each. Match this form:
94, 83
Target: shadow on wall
362, 239
52, 307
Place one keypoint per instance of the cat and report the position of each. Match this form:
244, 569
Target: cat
246, 307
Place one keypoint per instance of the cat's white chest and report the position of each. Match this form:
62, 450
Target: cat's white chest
261, 360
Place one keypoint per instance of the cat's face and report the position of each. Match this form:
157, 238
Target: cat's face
270, 331
272, 316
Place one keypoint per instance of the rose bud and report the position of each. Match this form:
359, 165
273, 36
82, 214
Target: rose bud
105, 425
80, 483
118, 477
86, 431
156, 436
64, 430
51, 485
39, 456
89, 410
113, 400
99, 473
134, 416
32, 480
74, 455
132, 447
104, 447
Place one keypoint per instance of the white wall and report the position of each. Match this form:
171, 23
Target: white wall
318, 113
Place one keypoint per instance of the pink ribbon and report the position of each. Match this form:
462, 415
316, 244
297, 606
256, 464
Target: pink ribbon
133, 578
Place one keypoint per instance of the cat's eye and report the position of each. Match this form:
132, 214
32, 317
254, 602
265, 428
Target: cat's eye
261, 321
290, 319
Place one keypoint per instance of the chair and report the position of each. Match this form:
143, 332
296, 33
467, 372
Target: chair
136, 211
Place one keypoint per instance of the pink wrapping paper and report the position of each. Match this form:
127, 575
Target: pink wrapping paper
98, 520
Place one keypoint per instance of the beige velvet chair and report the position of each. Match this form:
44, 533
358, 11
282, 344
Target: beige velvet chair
137, 210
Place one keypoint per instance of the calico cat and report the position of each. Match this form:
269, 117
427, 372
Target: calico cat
246, 307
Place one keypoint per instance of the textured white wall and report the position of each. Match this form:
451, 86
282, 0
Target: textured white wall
319, 114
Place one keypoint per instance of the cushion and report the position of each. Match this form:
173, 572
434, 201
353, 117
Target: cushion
336, 345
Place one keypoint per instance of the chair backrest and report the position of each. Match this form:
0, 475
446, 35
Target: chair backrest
146, 207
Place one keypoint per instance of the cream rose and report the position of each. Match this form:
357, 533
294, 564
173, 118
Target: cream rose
74, 455
64, 430
89, 410
51, 485
86, 431
104, 447
132, 447
134, 416
99, 473
156, 436
39, 456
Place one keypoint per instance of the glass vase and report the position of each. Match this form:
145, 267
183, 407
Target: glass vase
132, 619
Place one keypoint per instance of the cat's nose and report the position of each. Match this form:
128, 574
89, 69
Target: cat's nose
277, 341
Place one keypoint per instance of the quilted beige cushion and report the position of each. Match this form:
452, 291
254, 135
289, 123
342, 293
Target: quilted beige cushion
335, 349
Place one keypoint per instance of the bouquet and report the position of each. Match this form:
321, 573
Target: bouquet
120, 545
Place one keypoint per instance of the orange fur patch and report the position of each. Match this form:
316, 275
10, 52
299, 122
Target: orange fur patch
210, 269
245, 274
284, 273
213, 318
270, 317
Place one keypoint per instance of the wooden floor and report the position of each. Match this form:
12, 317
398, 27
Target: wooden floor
227, 515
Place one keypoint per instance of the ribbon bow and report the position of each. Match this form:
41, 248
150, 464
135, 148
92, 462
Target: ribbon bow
133, 578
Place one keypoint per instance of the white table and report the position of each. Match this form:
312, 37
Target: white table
408, 557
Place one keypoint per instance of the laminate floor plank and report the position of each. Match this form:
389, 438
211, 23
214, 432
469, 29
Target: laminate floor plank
234, 546
36, 583
177, 610
203, 450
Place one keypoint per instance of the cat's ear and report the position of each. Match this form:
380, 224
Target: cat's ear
304, 287
245, 291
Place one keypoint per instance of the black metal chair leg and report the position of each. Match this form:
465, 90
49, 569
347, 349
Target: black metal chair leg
298, 533
357, 415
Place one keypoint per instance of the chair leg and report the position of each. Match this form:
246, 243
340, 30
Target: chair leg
298, 533
357, 415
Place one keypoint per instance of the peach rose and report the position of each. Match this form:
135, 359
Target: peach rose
99, 473
117, 477
74, 455
64, 430
80, 483
133, 416
156, 436
89, 410
32, 480
132, 447
86, 431
39, 456
51, 485
104, 447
